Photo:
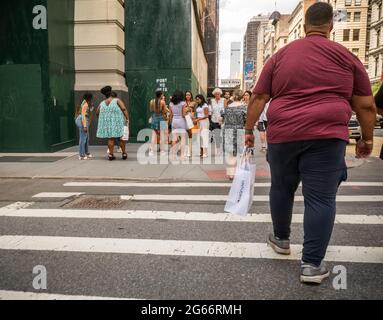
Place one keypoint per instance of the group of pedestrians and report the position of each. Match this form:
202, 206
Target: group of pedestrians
113, 117
218, 120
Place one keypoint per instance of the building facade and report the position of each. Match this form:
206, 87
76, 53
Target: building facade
375, 54
353, 33
99, 38
83, 45
281, 26
37, 76
297, 20
211, 41
250, 48
235, 60
262, 29
163, 50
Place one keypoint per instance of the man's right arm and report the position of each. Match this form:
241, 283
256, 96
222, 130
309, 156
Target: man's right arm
365, 110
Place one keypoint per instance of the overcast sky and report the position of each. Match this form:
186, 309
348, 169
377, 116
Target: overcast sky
234, 16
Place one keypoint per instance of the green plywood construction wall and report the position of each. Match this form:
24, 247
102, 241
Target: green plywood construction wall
40, 64
157, 46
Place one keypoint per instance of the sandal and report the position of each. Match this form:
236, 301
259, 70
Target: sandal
124, 156
111, 157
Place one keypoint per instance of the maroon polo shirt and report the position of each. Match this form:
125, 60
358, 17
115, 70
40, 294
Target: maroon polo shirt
311, 82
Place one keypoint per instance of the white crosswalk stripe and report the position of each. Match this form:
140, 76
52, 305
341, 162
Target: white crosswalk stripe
195, 184
182, 248
10, 211
20, 295
57, 194
102, 244
221, 198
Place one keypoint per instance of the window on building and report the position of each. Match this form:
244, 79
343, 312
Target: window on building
357, 16
376, 65
346, 35
355, 35
358, 2
355, 51
378, 38
348, 16
348, 2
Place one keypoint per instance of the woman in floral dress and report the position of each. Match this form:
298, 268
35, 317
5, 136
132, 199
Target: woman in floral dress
112, 117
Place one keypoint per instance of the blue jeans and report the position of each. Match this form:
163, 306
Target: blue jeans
84, 140
320, 166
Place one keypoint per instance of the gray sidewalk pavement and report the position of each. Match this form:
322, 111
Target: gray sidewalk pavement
65, 165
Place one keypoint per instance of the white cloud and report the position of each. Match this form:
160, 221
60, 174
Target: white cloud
234, 16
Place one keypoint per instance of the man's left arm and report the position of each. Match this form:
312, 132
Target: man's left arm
365, 110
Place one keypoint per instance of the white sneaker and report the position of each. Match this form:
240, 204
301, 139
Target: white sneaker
89, 156
83, 158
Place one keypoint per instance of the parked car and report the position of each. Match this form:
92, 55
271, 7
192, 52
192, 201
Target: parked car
379, 121
354, 128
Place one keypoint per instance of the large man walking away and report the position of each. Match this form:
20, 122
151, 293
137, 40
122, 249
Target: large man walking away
314, 84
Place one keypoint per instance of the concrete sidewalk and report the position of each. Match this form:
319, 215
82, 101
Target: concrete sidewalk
99, 168
65, 165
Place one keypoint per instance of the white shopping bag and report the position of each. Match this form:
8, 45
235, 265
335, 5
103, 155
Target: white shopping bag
189, 122
125, 137
241, 193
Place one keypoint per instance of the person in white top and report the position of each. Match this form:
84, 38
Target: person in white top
202, 119
218, 106
262, 127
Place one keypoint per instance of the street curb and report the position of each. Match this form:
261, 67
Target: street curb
77, 178
351, 161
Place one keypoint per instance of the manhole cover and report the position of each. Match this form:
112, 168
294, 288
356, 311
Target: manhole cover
96, 202
29, 159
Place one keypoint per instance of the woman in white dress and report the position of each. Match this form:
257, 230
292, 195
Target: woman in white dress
218, 106
202, 119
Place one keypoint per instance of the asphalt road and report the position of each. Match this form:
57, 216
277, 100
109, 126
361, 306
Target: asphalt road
176, 276
378, 132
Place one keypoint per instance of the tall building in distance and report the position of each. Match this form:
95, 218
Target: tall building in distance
352, 33
250, 49
281, 25
211, 41
263, 28
375, 54
297, 19
235, 60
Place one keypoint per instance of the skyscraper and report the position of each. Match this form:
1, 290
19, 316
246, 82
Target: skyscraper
211, 40
250, 47
235, 60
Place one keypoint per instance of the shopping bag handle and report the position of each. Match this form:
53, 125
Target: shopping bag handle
245, 155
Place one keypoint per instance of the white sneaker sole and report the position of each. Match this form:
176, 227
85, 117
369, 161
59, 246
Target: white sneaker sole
278, 249
315, 279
